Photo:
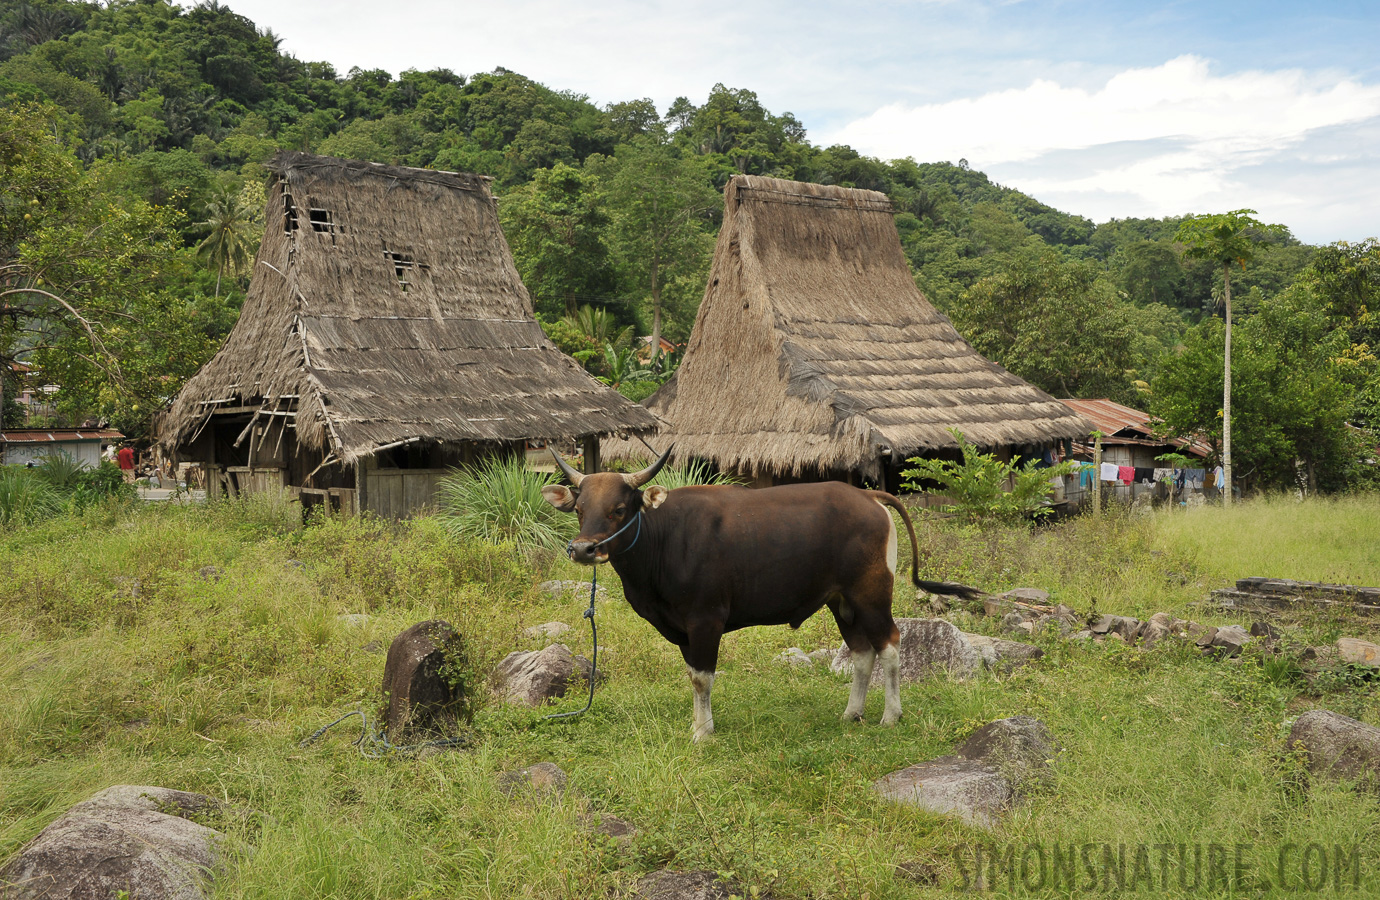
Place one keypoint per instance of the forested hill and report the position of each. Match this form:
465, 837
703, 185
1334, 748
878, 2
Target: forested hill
167, 114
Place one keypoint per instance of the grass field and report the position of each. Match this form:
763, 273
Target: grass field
121, 663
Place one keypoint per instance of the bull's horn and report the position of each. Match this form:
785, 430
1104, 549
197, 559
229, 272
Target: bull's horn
569, 470
637, 479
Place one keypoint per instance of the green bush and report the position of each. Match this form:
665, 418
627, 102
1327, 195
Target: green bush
61, 471
26, 498
978, 485
500, 501
103, 482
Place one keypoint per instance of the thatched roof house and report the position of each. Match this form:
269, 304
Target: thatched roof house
815, 355
386, 332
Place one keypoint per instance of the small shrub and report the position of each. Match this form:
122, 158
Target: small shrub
500, 501
978, 484
101, 483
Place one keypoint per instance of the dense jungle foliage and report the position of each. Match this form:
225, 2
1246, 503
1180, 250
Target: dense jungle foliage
132, 137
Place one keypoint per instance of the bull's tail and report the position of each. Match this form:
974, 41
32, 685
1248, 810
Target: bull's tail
947, 588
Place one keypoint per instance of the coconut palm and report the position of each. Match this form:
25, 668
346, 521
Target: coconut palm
233, 231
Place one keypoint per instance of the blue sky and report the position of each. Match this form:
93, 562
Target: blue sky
1108, 109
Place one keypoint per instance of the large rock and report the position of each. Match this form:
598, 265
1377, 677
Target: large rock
1002, 655
986, 773
1338, 747
1019, 747
1228, 640
1026, 595
1126, 626
1358, 652
934, 646
425, 682
973, 791
136, 840
535, 677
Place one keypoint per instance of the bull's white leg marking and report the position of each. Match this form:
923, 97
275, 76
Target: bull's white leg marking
890, 538
702, 725
891, 674
862, 676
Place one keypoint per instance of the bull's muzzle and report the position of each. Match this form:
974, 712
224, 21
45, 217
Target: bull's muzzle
587, 553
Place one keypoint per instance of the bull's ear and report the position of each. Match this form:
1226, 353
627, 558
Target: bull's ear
559, 496
654, 496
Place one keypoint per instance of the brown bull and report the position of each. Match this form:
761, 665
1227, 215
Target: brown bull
700, 561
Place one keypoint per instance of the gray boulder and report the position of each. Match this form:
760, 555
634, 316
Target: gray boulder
421, 693
1160, 626
1338, 747
794, 656
536, 677
1358, 652
139, 840
1020, 747
973, 791
934, 646
1228, 640
985, 775
1125, 626
1002, 655
1026, 595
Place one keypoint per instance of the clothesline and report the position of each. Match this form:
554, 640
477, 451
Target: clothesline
1183, 478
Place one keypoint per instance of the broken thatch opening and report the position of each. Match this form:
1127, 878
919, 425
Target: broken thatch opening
814, 353
384, 310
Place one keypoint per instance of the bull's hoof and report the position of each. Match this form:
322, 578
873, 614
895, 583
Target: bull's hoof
890, 720
700, 735
852, 716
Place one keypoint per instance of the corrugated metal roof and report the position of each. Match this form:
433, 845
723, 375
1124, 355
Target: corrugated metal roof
1114, 418
57, 435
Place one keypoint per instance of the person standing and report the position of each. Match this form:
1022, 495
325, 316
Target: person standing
125, 460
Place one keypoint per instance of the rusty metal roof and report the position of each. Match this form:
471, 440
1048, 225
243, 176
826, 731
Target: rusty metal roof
1122, 424
57, 435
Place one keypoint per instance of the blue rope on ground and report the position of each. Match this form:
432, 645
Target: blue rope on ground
374, 745
594, 633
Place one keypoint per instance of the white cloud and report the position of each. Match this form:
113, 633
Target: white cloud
1169, 139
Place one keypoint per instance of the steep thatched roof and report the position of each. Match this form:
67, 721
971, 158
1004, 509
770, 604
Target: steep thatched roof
814, 351
385, 306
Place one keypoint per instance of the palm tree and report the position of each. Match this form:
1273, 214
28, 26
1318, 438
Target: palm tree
232, 225
598, 324
1228, 239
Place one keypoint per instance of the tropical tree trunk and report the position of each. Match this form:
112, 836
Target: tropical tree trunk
1226, 392
220, 270
656, 314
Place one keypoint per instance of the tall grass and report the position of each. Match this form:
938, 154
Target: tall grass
1330, 539
25, 498
500, 501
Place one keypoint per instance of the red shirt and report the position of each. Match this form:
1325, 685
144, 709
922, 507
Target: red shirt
125, 458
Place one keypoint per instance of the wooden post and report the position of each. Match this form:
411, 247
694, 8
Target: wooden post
361, 486
591, 446
1097, 473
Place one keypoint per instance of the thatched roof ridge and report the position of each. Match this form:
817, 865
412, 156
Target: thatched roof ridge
385, 306
813, 350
